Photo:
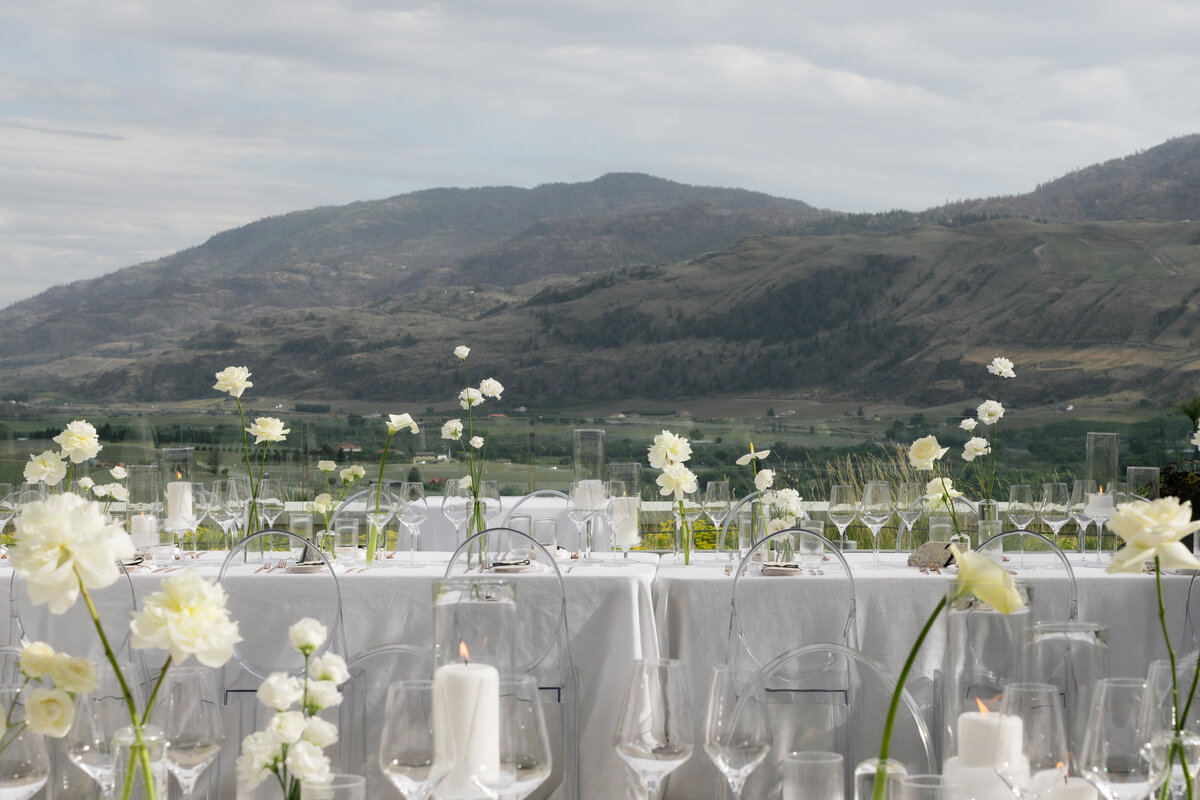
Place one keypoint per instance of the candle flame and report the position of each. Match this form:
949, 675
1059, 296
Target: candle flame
463, 652
178, 474
982, 708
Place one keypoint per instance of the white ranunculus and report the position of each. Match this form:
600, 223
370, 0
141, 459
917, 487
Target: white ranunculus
234, 380
398, 422
307, 763
306, 635
35, 659
1153, 530
352, 473
924, 451
73, 674
469, 397
975, 447
79, 441
260, 753
49, 712
764, 479
490, 387
453, 430
320, 732
326, 466
118, 472
268, 429
989, 412
677, 480
1001, 366
968, 424
288, 726
62, 541
188, 616
86, 483
462, 351
669, 448
476, 442
322, 694
753, 454
46, 467
940, 493
280, 691
329, 667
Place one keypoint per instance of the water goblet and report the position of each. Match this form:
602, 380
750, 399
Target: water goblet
654, 732
408, 755
875, 510
189, 714
623, 512
843, 508
737, 734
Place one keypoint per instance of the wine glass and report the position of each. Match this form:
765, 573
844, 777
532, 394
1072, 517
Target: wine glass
239, 500
408, 754
188, 712
1079, 497
525, 754
586, 498
489, 497
621, 509
24, 763
1115, 756
737, 733
909, 507
654, 732
1055, 509
220, 509
8, 508
843, 507
875, 511
413, 509
189, 511
31, 492
1037, 763
270, 500
717, 505
456, 497
693, 509
98, 716
1020, 510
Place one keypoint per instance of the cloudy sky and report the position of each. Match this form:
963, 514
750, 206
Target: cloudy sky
134, 128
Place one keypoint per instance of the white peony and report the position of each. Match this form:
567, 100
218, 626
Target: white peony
1002, 367
73, 674
321, 694
79, 441
329, 667
398, 422
764, 479
975, 447
490, 387
453, 430
47, 467
234, 380
280, 691
462, 351
63, 541
288, 726
326, 466
307, 763
306, 635
470, 397
669, 448
268, 429
924, 451
35, 659
989, 412
187, 617
476, 442
677, 480
49, 712
321, 733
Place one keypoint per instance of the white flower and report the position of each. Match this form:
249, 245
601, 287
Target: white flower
49, 712
776, 524
307, 763
462, 351
764, 479
352, 473
940, 492
86, 483
321, 504
464, 483
924, 451
677, 480
1153, 530
452, 430
668, 448
326, 466
268, 429
490, 387
321, 694
188, 617
987, 580
119, 492
1001, 366
398, 422
476, 442
968, 425
46, 467
470, 397
260, 753
234, 380
62, 541
329, 667
989, 412
288, 726
35, 659
753, 454
1196, 438
320, 732
73, 674
280, 692
103, 490
79, 441
975, 447
306, 635
788, 501
118, 472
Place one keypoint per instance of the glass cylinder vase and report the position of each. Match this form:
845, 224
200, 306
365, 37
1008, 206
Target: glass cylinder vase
589, 454
138, 752
474, 621
867, 774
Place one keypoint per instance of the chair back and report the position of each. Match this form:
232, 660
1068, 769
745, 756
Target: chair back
1009, 549
755, 608
565, 531
732, 519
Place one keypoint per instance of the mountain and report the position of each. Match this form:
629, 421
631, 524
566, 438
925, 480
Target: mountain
632, 286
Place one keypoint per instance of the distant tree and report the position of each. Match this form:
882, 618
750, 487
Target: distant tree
414, 475
1190, 408
770, 412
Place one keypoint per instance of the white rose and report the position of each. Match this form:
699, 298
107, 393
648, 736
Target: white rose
119, 493
398, 422
975, 447
462, 351
103, 490
321, 694
968, 425
321, 733
260, 753
940, 492
307, 763
1153, 530
268, 429
1002, 367
233, 380
329, 667
669, 448
280, 692
49, 712
989, 412
35, 659
469, 397
118, 472
288, 726
79, 441
73, 674
86, 483
453, 430
47, 467
924, 451
476, 442
321, 504
490, 387
352, 473
188, 617
326, 466
764, 479
307, 634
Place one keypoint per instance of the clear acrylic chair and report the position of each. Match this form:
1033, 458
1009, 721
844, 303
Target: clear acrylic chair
1010, 548
835, 698
565, 528
755, 603
732, 519
543, 637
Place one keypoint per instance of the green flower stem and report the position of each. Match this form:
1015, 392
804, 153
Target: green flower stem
154, 694
685, 535
1175, 751
886, 745
372, 528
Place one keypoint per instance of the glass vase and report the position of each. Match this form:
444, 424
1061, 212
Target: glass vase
685, 539
24, 763
139, 750
474, 621
867, 773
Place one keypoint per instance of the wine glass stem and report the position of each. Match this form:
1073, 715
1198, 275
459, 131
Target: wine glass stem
651, 786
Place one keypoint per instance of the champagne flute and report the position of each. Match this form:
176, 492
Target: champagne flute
717, 505
270, 500
737, 733
1115, 756
909, 507
843, 507
413, 510
654, 732
875, 511
24, 762
455, 498
1055, 509
408, 755
1039, 765
188, 712
1020, 510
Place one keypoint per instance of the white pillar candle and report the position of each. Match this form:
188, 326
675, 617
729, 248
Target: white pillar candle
1051, 785
987, 739
625, 522
143, 530
1099, 505
983, 783
179, 505
466, 726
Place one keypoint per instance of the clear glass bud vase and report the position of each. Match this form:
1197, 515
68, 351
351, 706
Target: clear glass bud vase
138, 750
